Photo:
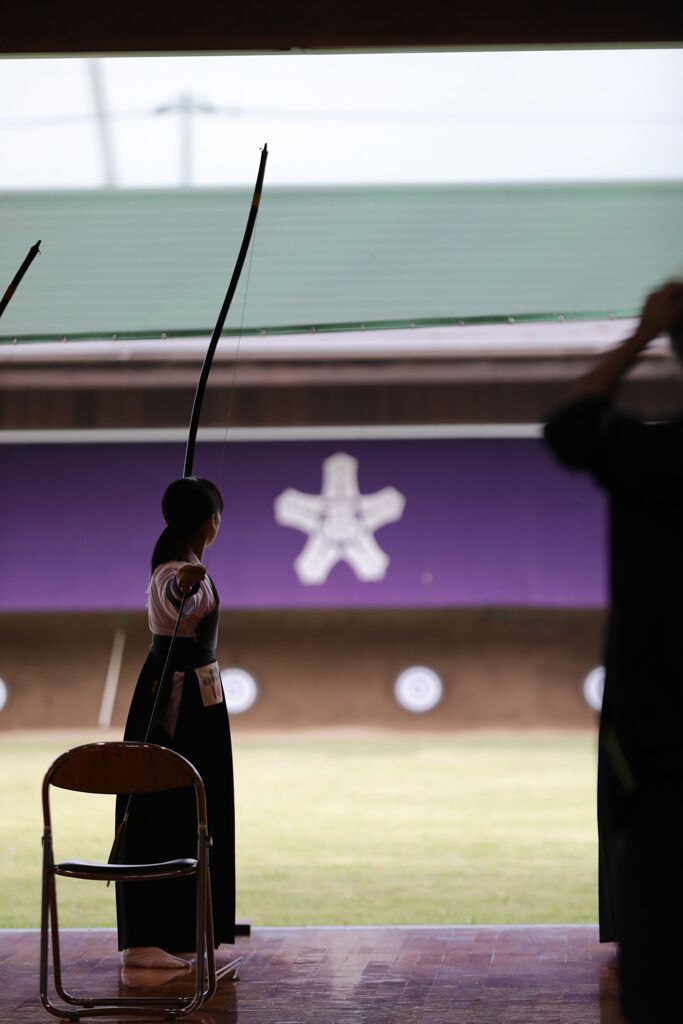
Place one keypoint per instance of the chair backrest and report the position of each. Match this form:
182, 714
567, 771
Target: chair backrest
122, 767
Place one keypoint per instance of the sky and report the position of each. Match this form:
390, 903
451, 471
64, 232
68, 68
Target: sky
358, 119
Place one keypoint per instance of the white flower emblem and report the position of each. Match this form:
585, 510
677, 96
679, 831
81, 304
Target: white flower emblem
340, 522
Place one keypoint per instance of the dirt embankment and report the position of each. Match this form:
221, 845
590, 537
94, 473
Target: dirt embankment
501, 668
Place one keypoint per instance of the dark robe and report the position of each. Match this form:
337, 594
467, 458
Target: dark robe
163, 826
640, 761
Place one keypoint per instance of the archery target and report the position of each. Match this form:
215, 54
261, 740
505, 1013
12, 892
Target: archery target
239, 688
3, 693
418, 689
594, 687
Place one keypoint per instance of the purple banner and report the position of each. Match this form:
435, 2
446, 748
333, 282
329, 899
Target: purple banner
334, 524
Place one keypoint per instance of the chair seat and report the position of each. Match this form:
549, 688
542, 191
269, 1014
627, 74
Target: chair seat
127, 872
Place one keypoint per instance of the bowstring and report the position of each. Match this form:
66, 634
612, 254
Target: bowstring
121, 827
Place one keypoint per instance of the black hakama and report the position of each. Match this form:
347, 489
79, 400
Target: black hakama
163, 826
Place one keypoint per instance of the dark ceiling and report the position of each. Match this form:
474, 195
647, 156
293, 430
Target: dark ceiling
79, 26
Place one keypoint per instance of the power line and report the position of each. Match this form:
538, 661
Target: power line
275, 113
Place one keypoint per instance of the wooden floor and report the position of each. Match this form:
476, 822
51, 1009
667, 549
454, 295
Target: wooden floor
463, 975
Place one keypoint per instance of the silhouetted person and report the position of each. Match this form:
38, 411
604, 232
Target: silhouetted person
640, 762
156, 920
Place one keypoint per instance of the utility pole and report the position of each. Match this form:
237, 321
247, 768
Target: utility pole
186, 106
102, 122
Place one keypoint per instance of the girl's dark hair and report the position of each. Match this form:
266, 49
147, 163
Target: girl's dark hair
186, 504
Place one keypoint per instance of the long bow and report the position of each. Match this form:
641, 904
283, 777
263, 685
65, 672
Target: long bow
16, 280
232, 287
201, 387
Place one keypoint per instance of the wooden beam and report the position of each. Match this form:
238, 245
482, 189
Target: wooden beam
489, 401
168, 26
155, 377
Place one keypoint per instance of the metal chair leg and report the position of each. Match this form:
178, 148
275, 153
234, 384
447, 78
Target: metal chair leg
230, 971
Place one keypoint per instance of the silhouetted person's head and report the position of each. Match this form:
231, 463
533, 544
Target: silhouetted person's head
192, 508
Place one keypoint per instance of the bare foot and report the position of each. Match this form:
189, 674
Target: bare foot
149, 977
152, 956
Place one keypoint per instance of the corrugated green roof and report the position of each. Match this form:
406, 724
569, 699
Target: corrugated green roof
158, 261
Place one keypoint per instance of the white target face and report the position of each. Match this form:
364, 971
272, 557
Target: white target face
3, 693
594, 687
239, 688
418, 689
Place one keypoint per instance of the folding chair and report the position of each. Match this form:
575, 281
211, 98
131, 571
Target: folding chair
125, 768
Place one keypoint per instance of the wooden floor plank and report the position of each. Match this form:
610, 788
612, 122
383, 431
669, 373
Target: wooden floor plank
459, 975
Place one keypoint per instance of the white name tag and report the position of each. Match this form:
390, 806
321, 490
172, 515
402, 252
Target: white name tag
210, 685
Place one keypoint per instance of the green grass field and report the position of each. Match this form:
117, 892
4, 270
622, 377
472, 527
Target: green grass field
457, 829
